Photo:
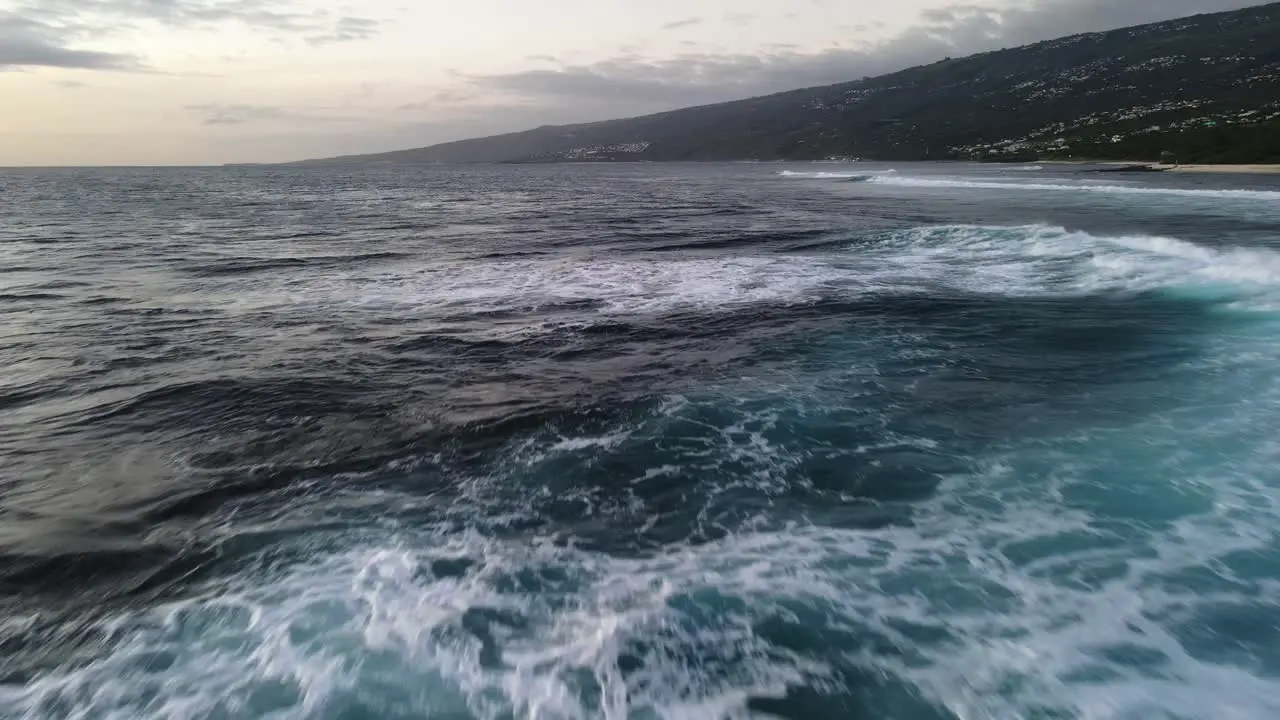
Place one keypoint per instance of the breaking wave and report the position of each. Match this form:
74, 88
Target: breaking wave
987, 260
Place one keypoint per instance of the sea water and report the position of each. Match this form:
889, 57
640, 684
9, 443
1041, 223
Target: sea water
639, 441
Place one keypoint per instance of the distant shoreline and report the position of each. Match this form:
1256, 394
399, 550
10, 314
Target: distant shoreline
1245, 168
1137, 165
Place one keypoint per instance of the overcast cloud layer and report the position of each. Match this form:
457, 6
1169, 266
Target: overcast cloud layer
198, 81
646, 85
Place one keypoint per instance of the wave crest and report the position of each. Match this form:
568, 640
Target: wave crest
1012, 261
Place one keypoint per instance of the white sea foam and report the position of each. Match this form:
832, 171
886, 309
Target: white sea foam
828, 175
1011, 593
454, 624
1254, 266
615, 286
1042, 259
1017, 261
923, 182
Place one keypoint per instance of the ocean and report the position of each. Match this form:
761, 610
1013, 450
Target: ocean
639, 442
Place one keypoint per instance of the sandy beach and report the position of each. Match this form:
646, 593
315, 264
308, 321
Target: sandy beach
1222, 168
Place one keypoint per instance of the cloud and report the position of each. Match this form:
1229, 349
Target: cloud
447, 97
952, 13
115, 15
25, 42
220, 114
45, 33
739, 19
687, 22
973, 27
640, 85
347, 29
630, 85
543, 58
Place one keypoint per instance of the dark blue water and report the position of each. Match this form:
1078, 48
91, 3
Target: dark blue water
639, 442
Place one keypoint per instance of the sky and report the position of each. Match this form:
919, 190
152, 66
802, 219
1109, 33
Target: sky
193, 82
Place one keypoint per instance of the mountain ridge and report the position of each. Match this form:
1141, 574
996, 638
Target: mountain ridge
1205, 88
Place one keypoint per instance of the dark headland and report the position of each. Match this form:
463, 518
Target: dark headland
1202, 89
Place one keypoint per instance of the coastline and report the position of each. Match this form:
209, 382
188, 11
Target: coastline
1255, 168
